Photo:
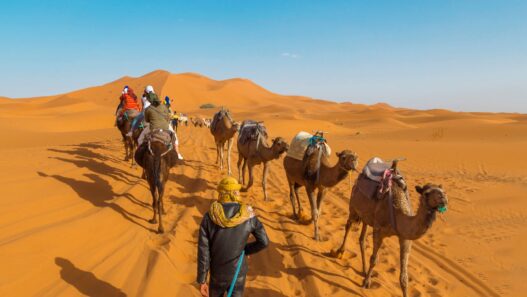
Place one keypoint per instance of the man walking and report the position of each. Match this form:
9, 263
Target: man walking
223, 243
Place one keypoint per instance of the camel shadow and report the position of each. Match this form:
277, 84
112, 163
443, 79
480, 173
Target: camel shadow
100, 168
86, 282
190, 185
201, 204
100, 194
303, 272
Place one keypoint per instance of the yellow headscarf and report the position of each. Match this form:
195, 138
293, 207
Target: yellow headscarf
228, 192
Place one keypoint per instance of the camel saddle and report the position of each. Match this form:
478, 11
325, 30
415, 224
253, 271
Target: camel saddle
127, 115
251, 131
163, 136
375, 169
371, 181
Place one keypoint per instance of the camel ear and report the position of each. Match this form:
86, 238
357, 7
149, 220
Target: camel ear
419, 189
338, 154
272, 140
440, 186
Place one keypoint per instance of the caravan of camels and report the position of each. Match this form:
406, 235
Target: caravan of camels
379, 197
355, 200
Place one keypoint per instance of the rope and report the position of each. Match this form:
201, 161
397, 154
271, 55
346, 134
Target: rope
240, 260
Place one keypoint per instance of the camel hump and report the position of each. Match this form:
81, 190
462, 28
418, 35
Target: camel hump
251, 131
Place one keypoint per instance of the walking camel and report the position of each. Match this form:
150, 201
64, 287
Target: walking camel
157, 156
385, 205
254, 150
124, 124
316, 174
223, 128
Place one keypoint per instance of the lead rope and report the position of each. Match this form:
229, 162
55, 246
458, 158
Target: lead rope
240, 260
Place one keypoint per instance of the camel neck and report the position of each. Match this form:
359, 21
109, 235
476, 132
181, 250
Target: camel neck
331, 176
415, 226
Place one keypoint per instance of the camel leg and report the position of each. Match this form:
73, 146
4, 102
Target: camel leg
132, 146
264, 180
292, 198
297, 196
220, 150
362, 239
244, 168
154, 202
251, 176
125, 148
405, 247
377, 243
340, 251
160, 210
217, 153
314, 210
320, 196
240, 173
229, 148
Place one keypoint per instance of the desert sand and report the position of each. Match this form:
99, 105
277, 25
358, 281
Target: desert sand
74, 215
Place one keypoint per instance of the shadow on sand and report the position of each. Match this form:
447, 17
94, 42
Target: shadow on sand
86, 282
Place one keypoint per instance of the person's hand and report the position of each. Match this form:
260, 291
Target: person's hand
204, 290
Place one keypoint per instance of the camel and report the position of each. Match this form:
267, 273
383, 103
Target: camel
223, 128
390, 213
125, 125
198, 122
315, 173
207, 122
254, 150
157, 157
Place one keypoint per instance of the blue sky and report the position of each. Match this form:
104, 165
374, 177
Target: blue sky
462, 55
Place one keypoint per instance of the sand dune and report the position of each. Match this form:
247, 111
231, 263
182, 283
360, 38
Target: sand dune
74, 215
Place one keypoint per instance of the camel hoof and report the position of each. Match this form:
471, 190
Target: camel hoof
152, 221
336, 254
160, 230
244, 190
367, 283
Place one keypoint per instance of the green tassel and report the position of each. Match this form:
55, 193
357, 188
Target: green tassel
442, 209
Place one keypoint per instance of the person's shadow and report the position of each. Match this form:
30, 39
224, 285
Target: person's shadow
86, 282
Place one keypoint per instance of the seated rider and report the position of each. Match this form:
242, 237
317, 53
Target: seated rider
157, 116
146, 101
127, 101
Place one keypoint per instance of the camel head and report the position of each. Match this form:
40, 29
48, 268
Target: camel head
348, 160
279, 146
433, 196
236, 126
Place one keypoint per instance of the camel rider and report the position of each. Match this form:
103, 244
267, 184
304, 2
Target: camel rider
167, 102
127, 101
146, 101
157, 116
222, 242
171, 126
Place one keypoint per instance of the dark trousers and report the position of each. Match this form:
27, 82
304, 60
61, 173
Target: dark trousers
219, 289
